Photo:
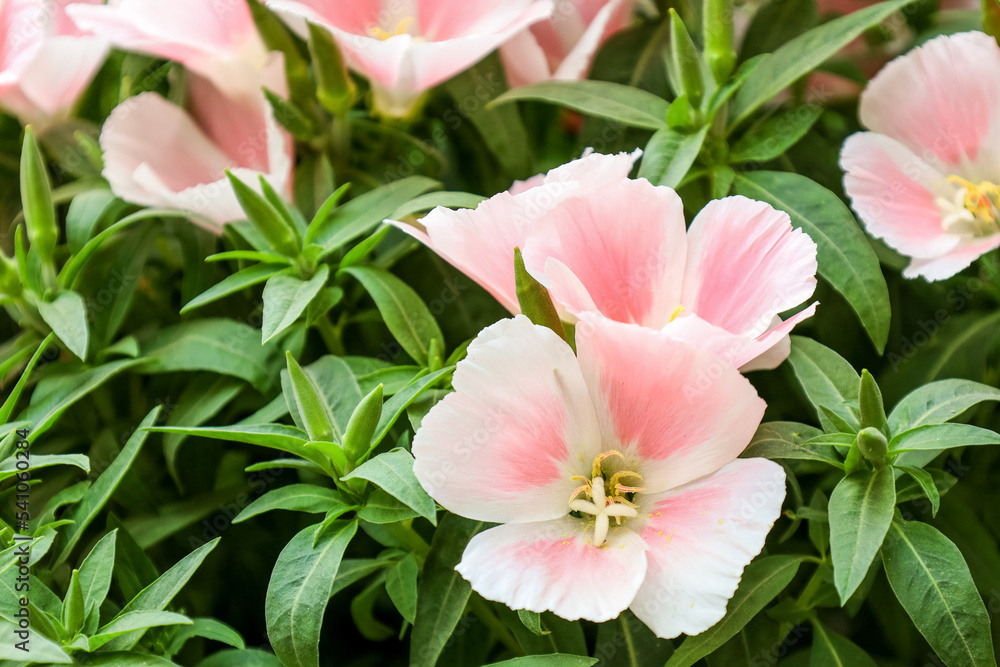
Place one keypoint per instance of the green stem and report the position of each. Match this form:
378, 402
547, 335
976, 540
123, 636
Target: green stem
481, 609
340, 146
404, 532
806, 599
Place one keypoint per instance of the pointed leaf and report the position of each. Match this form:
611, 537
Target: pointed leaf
393, 472
860, 509
286, 297
67, 315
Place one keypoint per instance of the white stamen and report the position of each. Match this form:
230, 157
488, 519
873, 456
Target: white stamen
601, 511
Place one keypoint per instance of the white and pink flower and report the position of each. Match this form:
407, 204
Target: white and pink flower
159, 154
46, 62
926, 179
215, 39
562, 48
601, 242
405, 47
616, 480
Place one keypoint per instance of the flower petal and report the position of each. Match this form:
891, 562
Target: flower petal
553, 566
505, 444
746, 264
700, 538
947, 265
623, 242
679, 410
59, 73
481, 242
894, 192
941, 99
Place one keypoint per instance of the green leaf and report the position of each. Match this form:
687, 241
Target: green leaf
339, 387
101, 490
132, 621
275, 436
827, 379
43, 650
199, 402
534, 299
160, 593
295, 497
85, 213
832, 650
126, 659
930, 578
402, 399
803, 54
432, 200
762, 581
550, 660
628, 642
846, 260
67, 315
286, 297
407, 316
11, 401
382, 508
362, 425
393, 472
133, 569
313, 410
95, 573
36, 199
861, 508
775, 135
209, 628
501, 130
775, 23
401, 585
251, 657
533, 621
362, 214
789, 440
603, 99
938, 402
442, 592
219, 345
686, 69
299, 590
236, 282
334, 87
272, 223
669, 155
926, 442
927, 485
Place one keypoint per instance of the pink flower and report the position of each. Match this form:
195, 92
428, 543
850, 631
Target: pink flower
407, 47
216, 39
927, 177
601, 242
563, 47
45, 61
158, 154
615, 477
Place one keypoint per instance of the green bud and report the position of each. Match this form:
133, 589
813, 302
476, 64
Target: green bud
685, 62
852, 462
36, 199
719, 38
73, 606
873, 446
991, 18
272, 224
334, 86
277, 38
362, 425
870, 402
10, 284
534, 299
312, 405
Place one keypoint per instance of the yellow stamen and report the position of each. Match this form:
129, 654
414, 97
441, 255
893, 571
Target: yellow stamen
584, 488
596, 471
621, 474
402, 28
982, 200
620, 488
677, 312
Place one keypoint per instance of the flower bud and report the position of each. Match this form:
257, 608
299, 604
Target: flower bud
873, 446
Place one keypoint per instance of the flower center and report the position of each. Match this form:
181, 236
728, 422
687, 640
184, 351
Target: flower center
607, 499
975, 210
402, 28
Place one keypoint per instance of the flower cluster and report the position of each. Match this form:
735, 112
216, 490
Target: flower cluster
614, 472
